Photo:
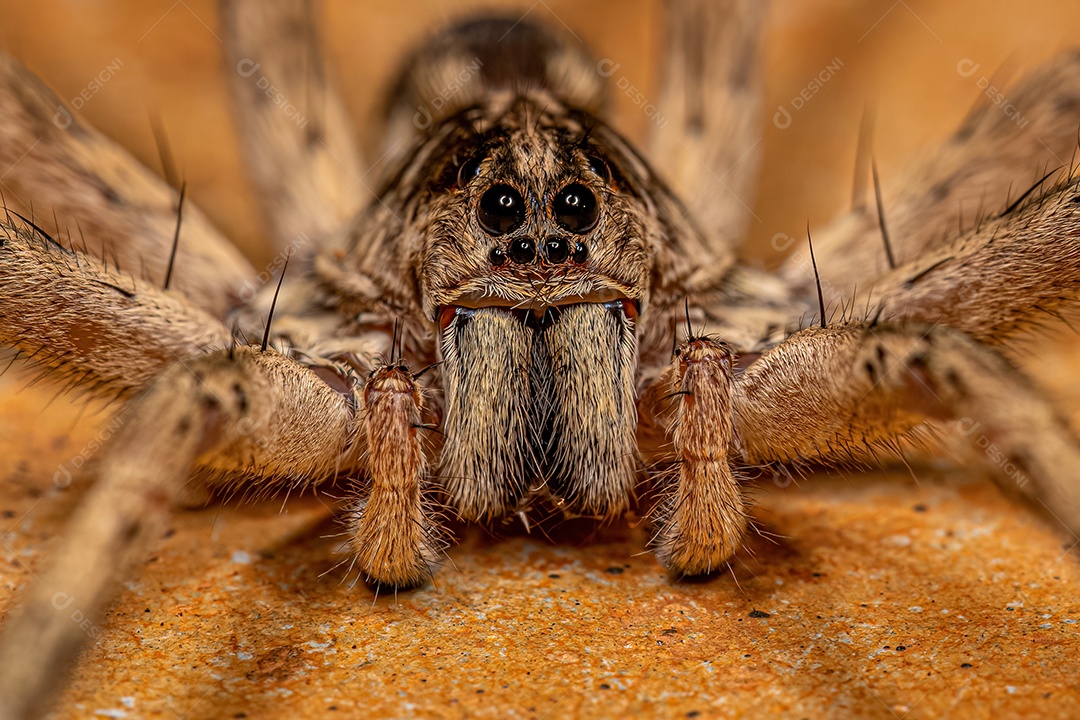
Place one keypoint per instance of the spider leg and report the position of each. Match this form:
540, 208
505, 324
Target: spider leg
300, 150
102, 329
706, 133
995, 282
238, 415
107, 201
700, 519
997, 154
835, 394
310, 179
255, 415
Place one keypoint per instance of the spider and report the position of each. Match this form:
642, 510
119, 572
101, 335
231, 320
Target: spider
514, 326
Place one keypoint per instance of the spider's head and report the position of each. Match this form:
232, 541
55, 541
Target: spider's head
530, 207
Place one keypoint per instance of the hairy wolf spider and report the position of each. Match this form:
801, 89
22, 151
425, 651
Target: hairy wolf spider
510, 325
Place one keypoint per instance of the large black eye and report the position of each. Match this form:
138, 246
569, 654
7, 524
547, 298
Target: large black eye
501, 210
575, 208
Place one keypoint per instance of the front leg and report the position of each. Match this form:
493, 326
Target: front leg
701, 517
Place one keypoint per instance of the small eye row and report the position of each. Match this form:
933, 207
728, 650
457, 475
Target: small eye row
502, 209
524, 251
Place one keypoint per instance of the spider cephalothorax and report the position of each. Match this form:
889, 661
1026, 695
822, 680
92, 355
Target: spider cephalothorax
537, 260
532, 236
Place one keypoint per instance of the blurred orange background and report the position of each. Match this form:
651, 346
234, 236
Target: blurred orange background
898, 57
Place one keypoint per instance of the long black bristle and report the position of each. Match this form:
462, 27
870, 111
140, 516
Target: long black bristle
877, 315
675, 394
38, 230
393, 342
881, 217
176, 237
817, 278
689, 327
419, 374
1016, 203
429, 427
273, 304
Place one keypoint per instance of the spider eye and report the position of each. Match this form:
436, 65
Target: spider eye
556, 250
501, 210
600, 167
468, 170
581, 253
575, 208
523, 251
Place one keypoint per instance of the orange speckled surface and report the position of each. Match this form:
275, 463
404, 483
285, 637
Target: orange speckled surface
871, 595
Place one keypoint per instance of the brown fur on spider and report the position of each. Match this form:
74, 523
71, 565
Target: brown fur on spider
512, 321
